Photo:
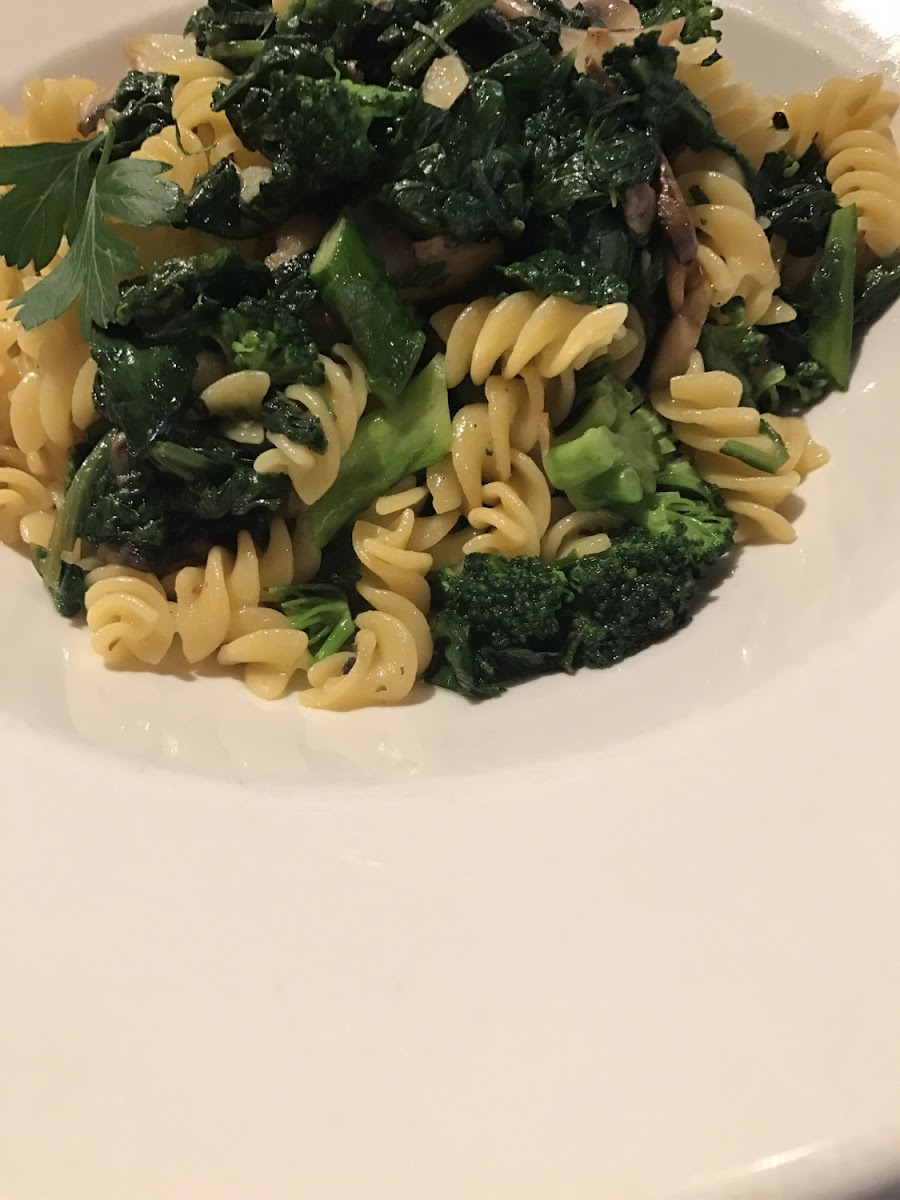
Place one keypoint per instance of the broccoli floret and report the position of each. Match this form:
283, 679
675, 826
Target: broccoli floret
321, 132
613, 453
699, 523
261, 335
498, 619
269, 333
805, 386
320, 611
626, 599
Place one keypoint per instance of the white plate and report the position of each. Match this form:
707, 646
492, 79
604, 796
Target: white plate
624, 936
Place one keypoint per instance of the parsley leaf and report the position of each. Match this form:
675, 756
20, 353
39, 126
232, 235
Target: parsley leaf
50, 188
65, 191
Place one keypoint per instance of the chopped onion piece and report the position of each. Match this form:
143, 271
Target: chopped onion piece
445, 81
615, 14
252, 179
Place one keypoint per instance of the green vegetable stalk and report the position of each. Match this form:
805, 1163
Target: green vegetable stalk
356, 289
388, 446
831, 326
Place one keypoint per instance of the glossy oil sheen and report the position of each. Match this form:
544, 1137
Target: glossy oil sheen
630, 935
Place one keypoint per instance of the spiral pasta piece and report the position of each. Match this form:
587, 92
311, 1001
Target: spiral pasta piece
53, 108
706, 412
849, 121
393, 645
339, 404
185, 157
739, 112
734, 252
554, 335
20, 496
130, 616
514, 513
172, 54
840, 107
576, 533
198, 123
864, 169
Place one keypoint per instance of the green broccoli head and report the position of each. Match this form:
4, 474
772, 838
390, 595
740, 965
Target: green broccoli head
325, 133
259, 336
805, 386
703, 528
269, 333
626, 599
614, 452
497, 619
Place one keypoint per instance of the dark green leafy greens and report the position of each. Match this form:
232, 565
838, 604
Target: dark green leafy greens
795, 198
699, 16
140, 108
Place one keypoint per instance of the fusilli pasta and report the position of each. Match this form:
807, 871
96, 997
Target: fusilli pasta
393, 646
739, 112
850, 123
554, 335
339, 404
734, 252
706, 412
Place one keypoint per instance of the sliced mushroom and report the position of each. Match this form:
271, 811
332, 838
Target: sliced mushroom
461, 262
675, 215
682, 337
640, 208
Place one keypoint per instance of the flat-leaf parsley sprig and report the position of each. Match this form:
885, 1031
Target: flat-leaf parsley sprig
68, 191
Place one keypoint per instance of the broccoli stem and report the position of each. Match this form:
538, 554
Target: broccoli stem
73, 508
389, 445
322, 612
831, 326
419, 54
356, 289
238, 52
770, 461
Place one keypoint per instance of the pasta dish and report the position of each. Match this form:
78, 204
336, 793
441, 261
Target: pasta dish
354, 343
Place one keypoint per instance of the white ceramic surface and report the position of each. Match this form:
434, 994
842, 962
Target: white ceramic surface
625, 936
